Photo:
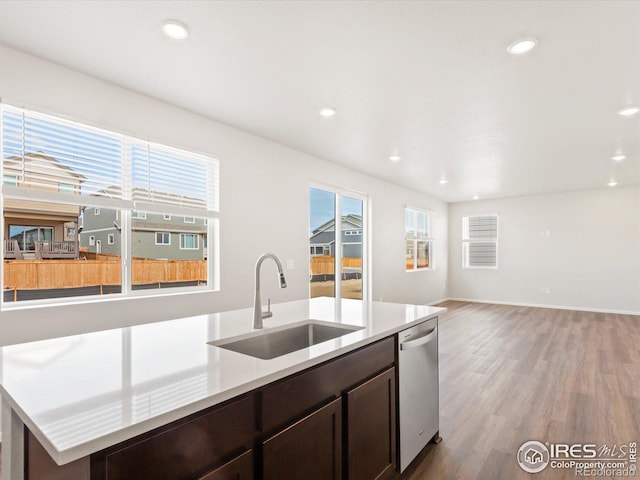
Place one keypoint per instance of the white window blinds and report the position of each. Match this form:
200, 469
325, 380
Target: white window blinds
480, 241
67, 162
417, 223
173, 182
54, 158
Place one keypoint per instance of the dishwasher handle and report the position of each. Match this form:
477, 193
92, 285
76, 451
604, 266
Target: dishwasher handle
417, 342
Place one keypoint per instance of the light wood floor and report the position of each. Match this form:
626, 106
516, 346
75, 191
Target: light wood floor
511, 374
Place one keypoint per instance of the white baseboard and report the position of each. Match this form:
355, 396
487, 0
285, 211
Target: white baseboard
539, 305
438, 301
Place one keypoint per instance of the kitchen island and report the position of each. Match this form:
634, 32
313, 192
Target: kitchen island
74, 398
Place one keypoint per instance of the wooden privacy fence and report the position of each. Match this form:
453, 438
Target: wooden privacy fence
49, 274
325, 265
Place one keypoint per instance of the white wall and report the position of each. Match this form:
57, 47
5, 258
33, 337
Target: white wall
590, 260
263, 198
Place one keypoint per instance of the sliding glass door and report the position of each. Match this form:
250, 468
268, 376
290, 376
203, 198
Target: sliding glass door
337, 246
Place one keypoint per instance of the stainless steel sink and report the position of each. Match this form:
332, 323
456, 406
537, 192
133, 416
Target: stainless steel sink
269, 344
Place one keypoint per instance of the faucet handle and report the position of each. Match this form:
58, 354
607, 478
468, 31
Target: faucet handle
268, 313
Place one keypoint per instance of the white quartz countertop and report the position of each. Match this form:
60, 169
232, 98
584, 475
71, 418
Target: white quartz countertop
83, 393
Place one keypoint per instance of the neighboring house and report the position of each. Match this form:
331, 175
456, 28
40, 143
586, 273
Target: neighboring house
322, 240
34, 229
154, 236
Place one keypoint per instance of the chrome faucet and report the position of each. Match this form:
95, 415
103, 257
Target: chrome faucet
258, 314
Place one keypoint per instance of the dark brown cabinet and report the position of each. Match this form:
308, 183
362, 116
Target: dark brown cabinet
240, 468
332, 421
310, 449
371, 428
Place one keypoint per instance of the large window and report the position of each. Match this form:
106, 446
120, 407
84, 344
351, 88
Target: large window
337, 260
480, 241
419, 244
73, 193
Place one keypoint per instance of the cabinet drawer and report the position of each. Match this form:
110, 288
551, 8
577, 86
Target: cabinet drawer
294, 396
184, 450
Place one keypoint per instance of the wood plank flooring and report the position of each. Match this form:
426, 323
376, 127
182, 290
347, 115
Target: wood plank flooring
511, 374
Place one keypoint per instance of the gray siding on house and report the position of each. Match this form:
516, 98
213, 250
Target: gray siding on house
352, 250
144, 246
143, 235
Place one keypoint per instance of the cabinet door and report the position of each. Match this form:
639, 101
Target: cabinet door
371, 428
240, 468
309, 449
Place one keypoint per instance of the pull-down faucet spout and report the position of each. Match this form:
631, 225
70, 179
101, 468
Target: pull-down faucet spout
258, 314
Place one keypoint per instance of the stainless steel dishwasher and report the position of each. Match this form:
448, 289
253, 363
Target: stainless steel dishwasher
418, 392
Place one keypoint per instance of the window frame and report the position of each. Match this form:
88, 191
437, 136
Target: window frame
191, 220
123, 213
111, 238
469, 242
339, 192
135, 214
429, 239
194, 235
168, 236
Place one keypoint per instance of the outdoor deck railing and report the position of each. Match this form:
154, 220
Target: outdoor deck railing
12, 249
53, 250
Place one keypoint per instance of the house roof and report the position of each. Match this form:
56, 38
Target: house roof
13, 162
354, 220
138, 193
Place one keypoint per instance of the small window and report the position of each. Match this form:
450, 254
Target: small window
189, 220
96, 211
92, 241
163, 238
111, 239
188, 241
167, 217
11, 180
480, 241
419, 244
67, 188
140, 215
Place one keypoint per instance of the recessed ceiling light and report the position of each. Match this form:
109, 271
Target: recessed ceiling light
476, 197
443, 181
328, 112
522, 46
629, 111
612, 183
175, 29
395, 158
618, 158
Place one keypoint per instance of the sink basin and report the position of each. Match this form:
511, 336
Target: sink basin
274, 343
